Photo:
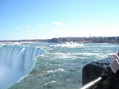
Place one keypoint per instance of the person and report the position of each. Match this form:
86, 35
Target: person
113, 81
114, 65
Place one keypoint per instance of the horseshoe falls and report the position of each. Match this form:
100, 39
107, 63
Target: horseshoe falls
16, 62
48, 65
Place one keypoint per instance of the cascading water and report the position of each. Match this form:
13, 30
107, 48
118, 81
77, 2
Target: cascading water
15, 62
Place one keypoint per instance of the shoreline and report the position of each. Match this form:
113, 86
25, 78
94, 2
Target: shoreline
71, 39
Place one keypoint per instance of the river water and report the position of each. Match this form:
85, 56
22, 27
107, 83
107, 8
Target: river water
60, 67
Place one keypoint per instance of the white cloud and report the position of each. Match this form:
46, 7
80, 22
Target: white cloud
56, 30
17, 27
48, 26
117, 24
27, 26
40, 25
57, 23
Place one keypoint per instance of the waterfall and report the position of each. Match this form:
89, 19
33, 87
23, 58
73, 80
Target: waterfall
15, 62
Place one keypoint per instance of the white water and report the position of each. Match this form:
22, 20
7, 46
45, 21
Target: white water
68, 44
15, 62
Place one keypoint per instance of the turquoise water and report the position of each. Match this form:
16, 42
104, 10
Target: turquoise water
61, 67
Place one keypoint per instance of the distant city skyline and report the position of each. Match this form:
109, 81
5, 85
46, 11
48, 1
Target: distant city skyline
46, 19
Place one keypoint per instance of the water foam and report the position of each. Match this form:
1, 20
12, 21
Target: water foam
15, 62
68, 44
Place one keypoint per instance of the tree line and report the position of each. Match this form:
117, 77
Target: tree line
86, 39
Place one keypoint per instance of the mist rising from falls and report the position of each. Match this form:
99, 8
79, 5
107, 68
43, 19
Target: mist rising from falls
15, 62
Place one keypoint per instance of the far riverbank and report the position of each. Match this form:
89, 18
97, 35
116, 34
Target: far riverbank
73, 39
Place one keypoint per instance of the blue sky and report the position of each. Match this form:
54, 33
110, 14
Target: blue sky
45, 19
